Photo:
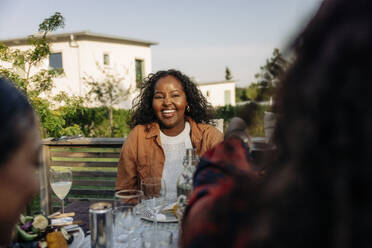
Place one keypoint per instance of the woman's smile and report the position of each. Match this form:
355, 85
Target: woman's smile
168, 113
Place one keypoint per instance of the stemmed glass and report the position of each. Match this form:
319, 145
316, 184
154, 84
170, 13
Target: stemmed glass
61, 181
154, 196
125, 216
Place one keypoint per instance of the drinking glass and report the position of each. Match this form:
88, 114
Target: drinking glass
126, 197
125, 217
154, 197
60, 180
164, 239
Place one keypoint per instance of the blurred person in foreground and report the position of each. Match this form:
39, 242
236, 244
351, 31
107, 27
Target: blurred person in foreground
320, 193
170, 115
19, 156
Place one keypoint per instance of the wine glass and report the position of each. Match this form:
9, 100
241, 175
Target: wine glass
125, 216
154, 197
60, 180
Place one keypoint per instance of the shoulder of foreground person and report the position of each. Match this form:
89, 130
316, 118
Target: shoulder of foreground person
218, 172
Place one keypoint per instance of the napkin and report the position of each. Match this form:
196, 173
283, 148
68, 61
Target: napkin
62, 221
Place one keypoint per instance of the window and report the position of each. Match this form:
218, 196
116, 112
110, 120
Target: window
139, 72
106, 59
227, 94
55, 60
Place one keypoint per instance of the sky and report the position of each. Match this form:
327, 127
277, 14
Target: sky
198, 37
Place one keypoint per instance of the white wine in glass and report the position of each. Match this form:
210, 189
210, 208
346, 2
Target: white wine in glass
61, 181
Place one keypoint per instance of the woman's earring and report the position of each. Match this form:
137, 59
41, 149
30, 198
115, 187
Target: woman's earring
187, 108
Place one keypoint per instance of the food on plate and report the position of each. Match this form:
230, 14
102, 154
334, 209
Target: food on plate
69, 238
171, 208
40, 222
25, 236
37, 231
31, 228
56, 240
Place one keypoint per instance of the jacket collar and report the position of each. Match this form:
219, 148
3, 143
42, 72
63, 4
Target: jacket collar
152, 130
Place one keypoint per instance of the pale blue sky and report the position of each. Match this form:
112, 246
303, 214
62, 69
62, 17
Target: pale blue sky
198, 37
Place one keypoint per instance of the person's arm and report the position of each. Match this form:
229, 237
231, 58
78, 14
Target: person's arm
127, 168
212, 180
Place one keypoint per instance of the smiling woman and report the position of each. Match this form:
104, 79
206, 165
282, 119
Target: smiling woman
170, 115
19, 156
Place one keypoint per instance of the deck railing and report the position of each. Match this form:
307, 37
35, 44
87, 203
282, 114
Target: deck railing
94, 166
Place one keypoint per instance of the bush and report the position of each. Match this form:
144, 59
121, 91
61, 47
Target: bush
90, 122
251, 113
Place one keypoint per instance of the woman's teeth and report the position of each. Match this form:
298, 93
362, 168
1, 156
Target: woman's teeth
168, 111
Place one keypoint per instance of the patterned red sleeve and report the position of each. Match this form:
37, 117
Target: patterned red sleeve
212, 180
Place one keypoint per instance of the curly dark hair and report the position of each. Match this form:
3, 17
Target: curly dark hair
200, 109
324, 133
320, 193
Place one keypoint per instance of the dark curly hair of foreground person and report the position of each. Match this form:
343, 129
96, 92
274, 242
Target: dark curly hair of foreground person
320, 192
200, 110
324, 133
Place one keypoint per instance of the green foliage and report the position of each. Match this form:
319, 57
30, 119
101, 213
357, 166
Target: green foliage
252, 92
267, 79
270, 74
21, 62
240, 94
72, 118
18, 66
93, 122
52, 23
107, 91
252, 114
228, 75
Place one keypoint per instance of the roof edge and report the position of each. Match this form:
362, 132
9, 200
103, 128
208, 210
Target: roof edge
84, 33
215, 82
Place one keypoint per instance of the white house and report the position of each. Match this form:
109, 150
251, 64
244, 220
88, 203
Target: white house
219, 93
81, 54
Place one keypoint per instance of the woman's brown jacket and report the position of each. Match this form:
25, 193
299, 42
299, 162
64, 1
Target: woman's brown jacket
142, 155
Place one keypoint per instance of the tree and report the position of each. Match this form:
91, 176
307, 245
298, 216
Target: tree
23, 68
252, 92
240, 94
228, 75
109, 91
270, 74
23, 62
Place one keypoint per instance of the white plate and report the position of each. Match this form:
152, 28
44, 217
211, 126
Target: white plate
169, 218
78, 239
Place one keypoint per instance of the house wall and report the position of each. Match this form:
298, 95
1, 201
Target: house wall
70, 81
122, 62
217, 93
80, 59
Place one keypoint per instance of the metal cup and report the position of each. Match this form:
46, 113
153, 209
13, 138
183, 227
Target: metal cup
100, 222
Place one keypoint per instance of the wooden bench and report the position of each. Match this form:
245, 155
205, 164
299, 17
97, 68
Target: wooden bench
94, 168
